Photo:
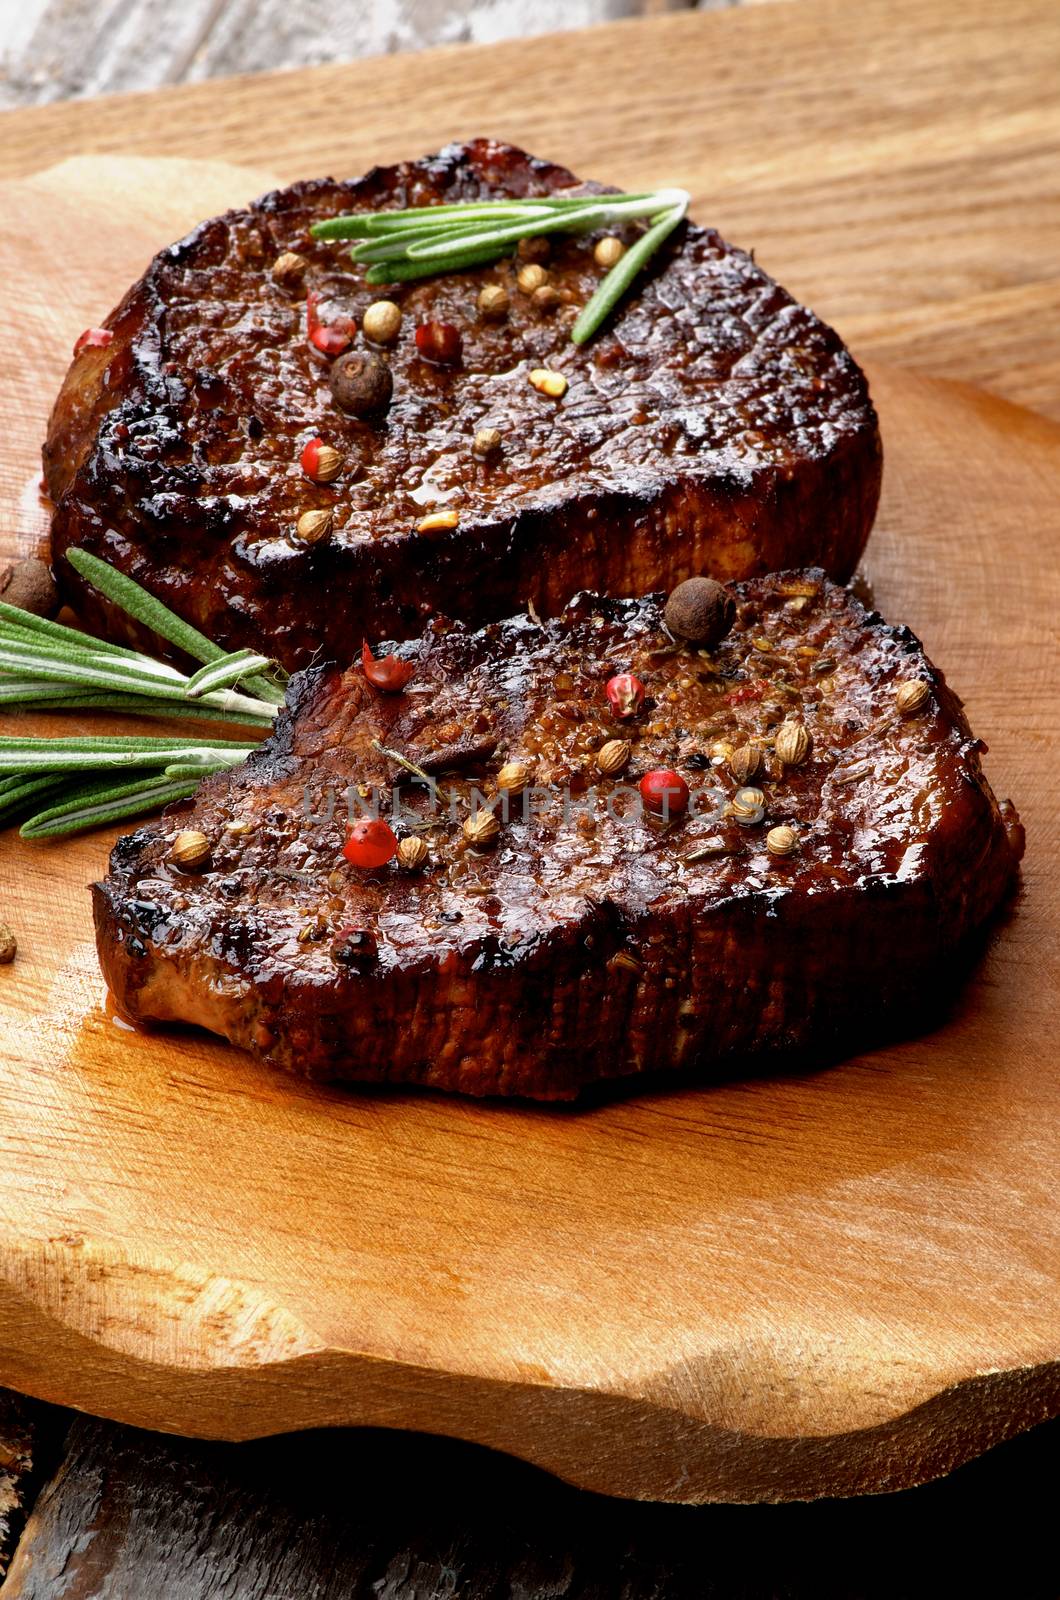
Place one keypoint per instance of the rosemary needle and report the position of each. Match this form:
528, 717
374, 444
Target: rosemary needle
611, 289
94, 805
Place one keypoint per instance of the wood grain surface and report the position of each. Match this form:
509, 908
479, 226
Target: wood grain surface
831, 1283
895, 163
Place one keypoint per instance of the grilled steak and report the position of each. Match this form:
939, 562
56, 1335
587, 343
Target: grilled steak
589, 939
714, 426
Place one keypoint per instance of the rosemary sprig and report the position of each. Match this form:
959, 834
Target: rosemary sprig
46, 666
397, 246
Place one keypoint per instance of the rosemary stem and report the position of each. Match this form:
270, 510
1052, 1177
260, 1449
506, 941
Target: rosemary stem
363, 224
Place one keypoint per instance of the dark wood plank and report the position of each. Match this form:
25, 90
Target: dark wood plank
340, 1516
29, 1438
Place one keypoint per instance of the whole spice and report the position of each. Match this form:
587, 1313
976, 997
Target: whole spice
312, 526
289, 268
554, 384
330, 341
608, 252
793, 744
745, 763
493, 303
8, 945
700, 610
626, 694
412, 853
613, 757
320, 461
487, 442
546, 298
513, 777
390, 673
748, 806
93, 339
481, 828
371, 843
664, 792
382, 322
30, 586
440, 343
911, 696
330, 338
190, 851
531, 277
438, 522
782, 841
361, 384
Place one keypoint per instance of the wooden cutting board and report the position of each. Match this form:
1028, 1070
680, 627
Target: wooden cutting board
832, 1283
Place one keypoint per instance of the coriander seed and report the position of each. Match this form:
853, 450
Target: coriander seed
608, 252
312, 526
782, 841
487, 441
412, 853
911, 696
493, 303
189, 851
531, 277
793, 744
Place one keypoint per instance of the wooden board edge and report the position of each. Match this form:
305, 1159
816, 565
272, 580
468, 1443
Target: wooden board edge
608, 1443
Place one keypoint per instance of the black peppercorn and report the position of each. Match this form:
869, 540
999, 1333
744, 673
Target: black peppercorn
700, 610
29, 584
361, 384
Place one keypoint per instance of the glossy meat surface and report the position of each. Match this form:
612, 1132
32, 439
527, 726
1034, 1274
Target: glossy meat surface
589, 941
713, 426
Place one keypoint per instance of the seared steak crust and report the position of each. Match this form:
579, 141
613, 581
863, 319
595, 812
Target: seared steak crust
714, 426
598, 943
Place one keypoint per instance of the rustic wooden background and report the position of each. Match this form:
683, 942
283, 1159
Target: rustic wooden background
65, 49
935, 122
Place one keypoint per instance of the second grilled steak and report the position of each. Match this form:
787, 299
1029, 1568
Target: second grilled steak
713, 426
586, 940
